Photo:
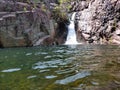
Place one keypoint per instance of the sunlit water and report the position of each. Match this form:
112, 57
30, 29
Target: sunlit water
82, 67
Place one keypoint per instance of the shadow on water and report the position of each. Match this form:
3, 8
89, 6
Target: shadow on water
76, 67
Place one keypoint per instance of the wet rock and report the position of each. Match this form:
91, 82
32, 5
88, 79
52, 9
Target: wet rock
47, 40
86, 36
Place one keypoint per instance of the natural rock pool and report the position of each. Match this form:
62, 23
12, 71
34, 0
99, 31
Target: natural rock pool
80, 67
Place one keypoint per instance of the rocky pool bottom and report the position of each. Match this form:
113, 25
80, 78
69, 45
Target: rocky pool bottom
77, 67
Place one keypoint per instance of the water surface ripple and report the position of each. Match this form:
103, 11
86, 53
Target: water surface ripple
78, 67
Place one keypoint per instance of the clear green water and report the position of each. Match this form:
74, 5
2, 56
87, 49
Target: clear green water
81, 67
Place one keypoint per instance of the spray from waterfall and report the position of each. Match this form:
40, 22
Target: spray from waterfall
71, 37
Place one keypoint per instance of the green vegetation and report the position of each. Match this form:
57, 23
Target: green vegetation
61, 10
63, 1
59, 14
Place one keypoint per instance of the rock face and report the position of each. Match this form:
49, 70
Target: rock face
98, 21
13, 5
22, 27
24, 23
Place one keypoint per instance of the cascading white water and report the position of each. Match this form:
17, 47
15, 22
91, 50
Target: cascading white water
71, 37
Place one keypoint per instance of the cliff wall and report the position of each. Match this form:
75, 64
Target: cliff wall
97, 21
23, 24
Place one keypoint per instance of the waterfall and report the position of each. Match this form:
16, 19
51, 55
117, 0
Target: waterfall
71, 37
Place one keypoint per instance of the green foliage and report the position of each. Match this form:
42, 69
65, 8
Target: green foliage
43, 7
25, 9
59, 14
65, 4
61, 10
62, 1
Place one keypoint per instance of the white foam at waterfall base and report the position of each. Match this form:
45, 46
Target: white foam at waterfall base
71, 37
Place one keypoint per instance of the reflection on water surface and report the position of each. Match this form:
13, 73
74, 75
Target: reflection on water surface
78, 67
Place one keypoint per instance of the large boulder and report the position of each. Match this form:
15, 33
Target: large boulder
98, 20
